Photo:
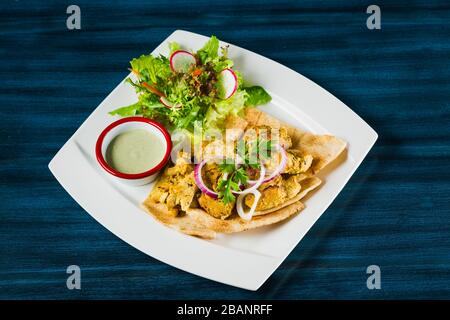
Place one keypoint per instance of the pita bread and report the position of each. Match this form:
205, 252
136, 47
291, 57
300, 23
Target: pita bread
236, 224
256, 117
181, 223
196, 222
200, 224
323, 148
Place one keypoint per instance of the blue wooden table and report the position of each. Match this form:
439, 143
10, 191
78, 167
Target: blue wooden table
394, 212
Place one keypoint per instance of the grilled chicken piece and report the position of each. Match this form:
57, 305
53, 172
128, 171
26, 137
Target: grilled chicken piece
274, 182
211, 175
270, 198
296, 163
216, 208
292, 186
276, 192
176, 188
285, 139
182, 192
218, 149
272, 195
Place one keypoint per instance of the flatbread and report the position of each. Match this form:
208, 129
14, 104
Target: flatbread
256, 117
236, 224
180, 223
197, 222
323, 148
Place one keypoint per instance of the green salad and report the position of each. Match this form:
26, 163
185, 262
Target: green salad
189, 89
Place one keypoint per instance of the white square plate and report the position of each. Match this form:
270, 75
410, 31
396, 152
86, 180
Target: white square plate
246, 259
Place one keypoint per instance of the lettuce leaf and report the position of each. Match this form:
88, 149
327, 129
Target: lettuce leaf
127, 111
209, 51
215, 116
174, 46
152, 69
222, 62
144, 106
256, 96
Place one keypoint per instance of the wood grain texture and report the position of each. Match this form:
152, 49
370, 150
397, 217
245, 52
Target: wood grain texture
394, 212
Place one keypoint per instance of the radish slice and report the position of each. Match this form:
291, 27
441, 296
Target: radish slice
240, 208
181, 61
169, 104
228, 80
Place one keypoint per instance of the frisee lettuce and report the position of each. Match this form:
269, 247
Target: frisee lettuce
174, 46
198, 93
209, 50
151, 69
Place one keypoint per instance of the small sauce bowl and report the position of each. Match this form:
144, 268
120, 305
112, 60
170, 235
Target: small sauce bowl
123, 125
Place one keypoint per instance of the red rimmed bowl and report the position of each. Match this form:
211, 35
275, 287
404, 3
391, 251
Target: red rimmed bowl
127, 124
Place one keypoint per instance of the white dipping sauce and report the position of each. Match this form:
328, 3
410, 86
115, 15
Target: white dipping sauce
135, 151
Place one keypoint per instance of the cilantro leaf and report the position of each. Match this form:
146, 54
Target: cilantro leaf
241, 176
227, 166
224, 187
235, 178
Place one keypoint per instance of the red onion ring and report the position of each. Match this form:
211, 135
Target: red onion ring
278, 169
203, 188
256, 184
199, 180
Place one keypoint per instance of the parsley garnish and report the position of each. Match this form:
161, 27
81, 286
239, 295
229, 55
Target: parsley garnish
235, 177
